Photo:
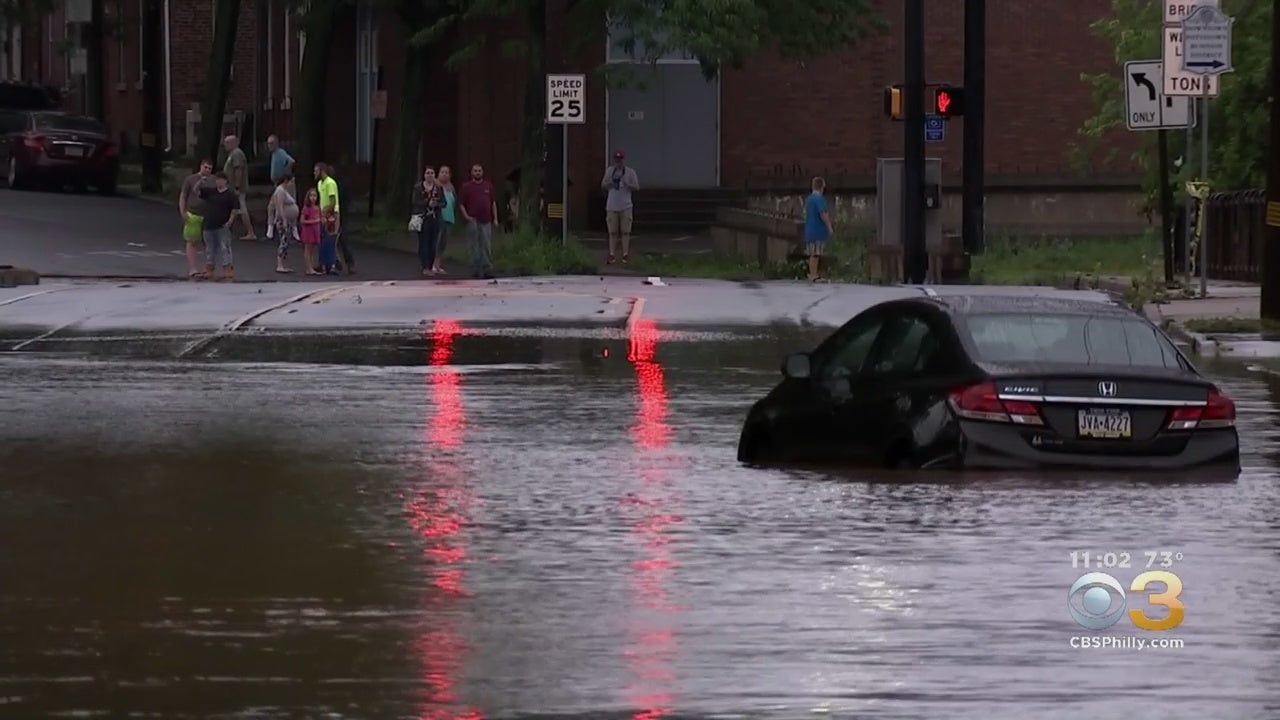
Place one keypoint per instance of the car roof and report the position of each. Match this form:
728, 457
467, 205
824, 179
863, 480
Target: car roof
982, 304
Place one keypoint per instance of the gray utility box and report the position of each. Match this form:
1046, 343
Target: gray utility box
889, 202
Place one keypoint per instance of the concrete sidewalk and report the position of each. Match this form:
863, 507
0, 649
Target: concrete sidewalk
1227, 302
31, 317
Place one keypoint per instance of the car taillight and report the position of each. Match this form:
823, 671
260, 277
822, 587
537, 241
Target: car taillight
110, 150
39, 142
1218, 412
982, 402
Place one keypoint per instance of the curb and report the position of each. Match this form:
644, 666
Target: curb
1200, 343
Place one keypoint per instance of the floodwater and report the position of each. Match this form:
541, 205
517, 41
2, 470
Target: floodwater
569, 535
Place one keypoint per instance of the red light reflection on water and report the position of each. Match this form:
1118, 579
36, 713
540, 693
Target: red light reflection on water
437, 514
654, 643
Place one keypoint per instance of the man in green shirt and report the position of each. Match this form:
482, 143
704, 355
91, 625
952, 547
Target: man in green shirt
331, 211
237, 171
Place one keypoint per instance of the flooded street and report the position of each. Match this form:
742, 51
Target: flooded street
567, 534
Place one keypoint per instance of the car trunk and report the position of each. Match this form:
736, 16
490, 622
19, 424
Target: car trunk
73, 144
1111, 410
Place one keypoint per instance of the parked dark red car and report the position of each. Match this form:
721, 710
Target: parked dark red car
53, 148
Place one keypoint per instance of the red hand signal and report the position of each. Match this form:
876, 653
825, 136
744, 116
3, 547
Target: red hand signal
944, 101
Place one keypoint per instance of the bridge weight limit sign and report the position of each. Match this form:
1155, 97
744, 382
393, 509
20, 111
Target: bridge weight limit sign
566, 105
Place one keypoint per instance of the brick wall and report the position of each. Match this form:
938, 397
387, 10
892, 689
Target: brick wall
191, 23
826, 115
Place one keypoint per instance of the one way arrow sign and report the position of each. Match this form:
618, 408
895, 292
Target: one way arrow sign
1206, 42
1145, 107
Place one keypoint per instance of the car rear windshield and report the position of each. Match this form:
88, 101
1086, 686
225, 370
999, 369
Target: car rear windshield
1076, 339
70, 123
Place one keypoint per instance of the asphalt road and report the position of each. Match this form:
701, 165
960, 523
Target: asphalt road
65, 234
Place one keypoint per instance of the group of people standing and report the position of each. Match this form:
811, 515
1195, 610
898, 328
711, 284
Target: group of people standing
315, 223
436, 206
209, 204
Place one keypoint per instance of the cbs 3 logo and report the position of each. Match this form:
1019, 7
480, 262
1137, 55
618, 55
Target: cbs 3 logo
1102, 601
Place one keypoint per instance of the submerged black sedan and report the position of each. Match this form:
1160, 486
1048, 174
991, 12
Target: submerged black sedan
994, 382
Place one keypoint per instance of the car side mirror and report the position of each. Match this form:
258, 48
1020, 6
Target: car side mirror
797, 366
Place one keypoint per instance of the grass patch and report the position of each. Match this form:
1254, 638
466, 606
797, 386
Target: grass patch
1061, 261
1227, 325
845, 262
1007, 261
521, 253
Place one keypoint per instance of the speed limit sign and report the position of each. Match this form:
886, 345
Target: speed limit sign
566, 99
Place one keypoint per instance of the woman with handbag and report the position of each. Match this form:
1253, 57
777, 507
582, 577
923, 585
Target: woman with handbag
428, 196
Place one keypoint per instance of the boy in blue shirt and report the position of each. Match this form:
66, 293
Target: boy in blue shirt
817, 226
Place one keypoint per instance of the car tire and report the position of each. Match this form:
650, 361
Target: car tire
899, 455
107, 187
755, 446
14, 178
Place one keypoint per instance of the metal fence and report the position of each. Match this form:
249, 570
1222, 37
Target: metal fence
1236, 233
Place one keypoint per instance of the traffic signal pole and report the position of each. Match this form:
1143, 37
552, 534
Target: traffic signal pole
973, 203
914, 255
1271, 248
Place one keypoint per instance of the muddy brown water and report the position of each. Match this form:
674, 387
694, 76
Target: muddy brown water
470, 527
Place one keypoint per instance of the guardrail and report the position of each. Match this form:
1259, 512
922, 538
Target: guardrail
1237, 231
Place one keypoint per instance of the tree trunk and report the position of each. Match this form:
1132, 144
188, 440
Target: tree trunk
404, 168
309, 110
95, 77
533, 141
218, 80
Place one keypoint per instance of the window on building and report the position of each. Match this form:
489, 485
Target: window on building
270, 100
122, 65
286, 67
141, 34
69, 48
10, 51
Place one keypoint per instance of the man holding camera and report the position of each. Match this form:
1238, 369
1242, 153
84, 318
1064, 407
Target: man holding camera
620, 181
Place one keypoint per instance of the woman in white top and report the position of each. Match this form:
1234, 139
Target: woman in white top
286, 223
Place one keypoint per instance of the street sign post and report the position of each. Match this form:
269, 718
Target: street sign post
935, 128
1179, 82
1206, 42
566, 105
1206, 51
1146, 107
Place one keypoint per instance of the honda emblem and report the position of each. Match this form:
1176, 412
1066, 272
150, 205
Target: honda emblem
1107, 389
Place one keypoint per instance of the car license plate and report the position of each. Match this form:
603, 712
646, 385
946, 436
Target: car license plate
1105, 424
73, 151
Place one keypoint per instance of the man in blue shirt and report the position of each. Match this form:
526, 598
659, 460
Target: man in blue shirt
817, 226
281, 164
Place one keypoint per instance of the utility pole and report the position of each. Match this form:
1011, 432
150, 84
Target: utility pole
914, 256
1270, 309
152, 97
973, 210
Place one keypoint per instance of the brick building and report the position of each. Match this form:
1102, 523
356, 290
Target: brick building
764, 127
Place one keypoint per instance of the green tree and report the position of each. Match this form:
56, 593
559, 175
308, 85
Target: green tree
318, 21
719, 33
1237, 117
423, 23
